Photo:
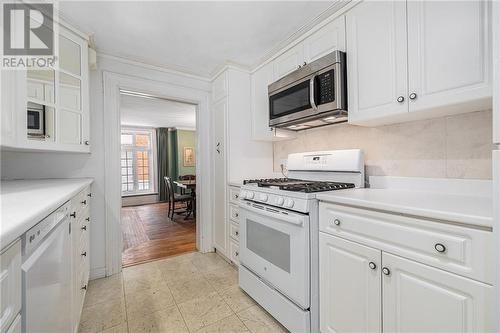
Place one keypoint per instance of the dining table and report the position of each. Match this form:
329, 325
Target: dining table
190, 185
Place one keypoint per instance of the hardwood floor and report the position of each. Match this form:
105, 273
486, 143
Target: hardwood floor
148, 234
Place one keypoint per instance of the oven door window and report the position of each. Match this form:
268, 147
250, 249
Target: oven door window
291, 100
269, 244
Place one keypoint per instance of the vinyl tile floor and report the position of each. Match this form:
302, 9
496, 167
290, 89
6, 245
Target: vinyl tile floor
192, 292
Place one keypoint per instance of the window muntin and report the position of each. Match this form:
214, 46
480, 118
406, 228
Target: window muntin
137, 154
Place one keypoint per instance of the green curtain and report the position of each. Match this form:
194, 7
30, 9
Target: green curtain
167, 157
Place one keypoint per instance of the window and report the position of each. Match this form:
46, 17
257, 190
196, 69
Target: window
137, 161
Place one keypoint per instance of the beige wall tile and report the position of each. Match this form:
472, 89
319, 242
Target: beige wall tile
457, 146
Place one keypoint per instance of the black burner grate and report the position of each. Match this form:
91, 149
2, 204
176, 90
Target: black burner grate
297, 185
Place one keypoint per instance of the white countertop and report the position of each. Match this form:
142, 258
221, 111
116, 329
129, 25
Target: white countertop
26, 202
466, 209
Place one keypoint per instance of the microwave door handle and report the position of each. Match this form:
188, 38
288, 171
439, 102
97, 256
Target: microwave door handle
311, 93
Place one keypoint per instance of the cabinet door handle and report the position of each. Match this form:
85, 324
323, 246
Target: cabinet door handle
237, 233
84, 287
84, 254
84, 227
336, 222
440, 248
401, 99
84, 202
413, 96
87, 143
236, 254
386, 271
236, 215
372, 265
73, 214
89, 195
87, 219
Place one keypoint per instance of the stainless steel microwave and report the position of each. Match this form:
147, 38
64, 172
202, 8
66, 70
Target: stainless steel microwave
311, 96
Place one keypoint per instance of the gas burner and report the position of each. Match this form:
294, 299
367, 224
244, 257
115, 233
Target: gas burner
298, 185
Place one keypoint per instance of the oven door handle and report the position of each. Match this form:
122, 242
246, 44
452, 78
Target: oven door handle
297, 220
311, 93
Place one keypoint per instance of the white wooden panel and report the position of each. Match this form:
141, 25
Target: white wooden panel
376, 59
419, 298
260, 80
219, 180
327, 39
10, 285
234, 252
288, 61
234, 213
234, 194
69, 127
468, 251
234, 231
15, 327
35, 90
350, 291
219, 87
449, 54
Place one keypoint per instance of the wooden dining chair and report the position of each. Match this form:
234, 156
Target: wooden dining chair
174, 198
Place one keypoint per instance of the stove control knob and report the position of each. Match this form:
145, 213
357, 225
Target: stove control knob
263, 197
249, 195
289, 203
280, 201
243, 194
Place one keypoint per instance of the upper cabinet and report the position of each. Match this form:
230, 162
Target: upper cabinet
49, 108
326, 39
416, 59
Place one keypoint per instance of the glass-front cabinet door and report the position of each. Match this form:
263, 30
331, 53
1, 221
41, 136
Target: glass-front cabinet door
57, 99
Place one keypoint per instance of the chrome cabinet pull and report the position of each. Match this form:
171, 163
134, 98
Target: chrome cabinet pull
84, 202
440, 247
336, 222
413, 96
401, 99
84, 227
73, 214
237, 233
84, 254
372, 265
386, 271
87, 219
84, 287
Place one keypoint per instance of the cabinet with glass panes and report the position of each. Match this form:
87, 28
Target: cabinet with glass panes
48, 109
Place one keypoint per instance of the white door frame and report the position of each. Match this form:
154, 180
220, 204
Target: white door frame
112, 83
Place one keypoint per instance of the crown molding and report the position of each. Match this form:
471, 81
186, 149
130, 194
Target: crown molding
229, 65
332, 12
161, 68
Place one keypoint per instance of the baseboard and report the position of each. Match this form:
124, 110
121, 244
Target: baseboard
97, 273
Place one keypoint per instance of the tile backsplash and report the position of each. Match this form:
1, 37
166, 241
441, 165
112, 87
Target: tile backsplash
450, 147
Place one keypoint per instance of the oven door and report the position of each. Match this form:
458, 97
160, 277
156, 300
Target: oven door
274, 244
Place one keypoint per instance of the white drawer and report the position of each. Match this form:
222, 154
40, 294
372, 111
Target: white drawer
234, 194
234, 252
10, 285
16, 325
234, 231
461, 250
234, 213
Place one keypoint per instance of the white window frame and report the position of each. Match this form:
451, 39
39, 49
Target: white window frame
153, 167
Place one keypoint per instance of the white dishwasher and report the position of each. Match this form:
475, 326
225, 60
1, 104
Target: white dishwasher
46, 275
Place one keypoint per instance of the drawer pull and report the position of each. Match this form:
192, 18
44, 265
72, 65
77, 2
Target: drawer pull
372, 265
84, 254
386, 271
440, 248
84, 287
87, 219
73, 214
84, 227
237, 233
89, 195
236, 254
236, 214
236, 196
84, 202
336, 222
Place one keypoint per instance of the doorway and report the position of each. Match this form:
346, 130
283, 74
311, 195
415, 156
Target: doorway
158, 177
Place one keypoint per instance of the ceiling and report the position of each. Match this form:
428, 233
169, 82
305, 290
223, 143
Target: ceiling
197, 37
153, 112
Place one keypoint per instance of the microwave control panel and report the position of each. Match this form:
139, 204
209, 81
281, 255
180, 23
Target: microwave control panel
326, 87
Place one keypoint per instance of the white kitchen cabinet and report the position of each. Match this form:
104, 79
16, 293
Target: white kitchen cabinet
350, 286
288, 61
449, 55
63, 93
376, 59
220, 226
327, 39
416, 60
419, 298
10, 285
260, 80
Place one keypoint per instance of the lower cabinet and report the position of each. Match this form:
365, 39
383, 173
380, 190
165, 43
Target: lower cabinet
363, 289
233, 233
80, 264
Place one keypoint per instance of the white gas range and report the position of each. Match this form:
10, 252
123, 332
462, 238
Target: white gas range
279, 233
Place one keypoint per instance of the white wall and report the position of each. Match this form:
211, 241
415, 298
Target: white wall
16, 165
